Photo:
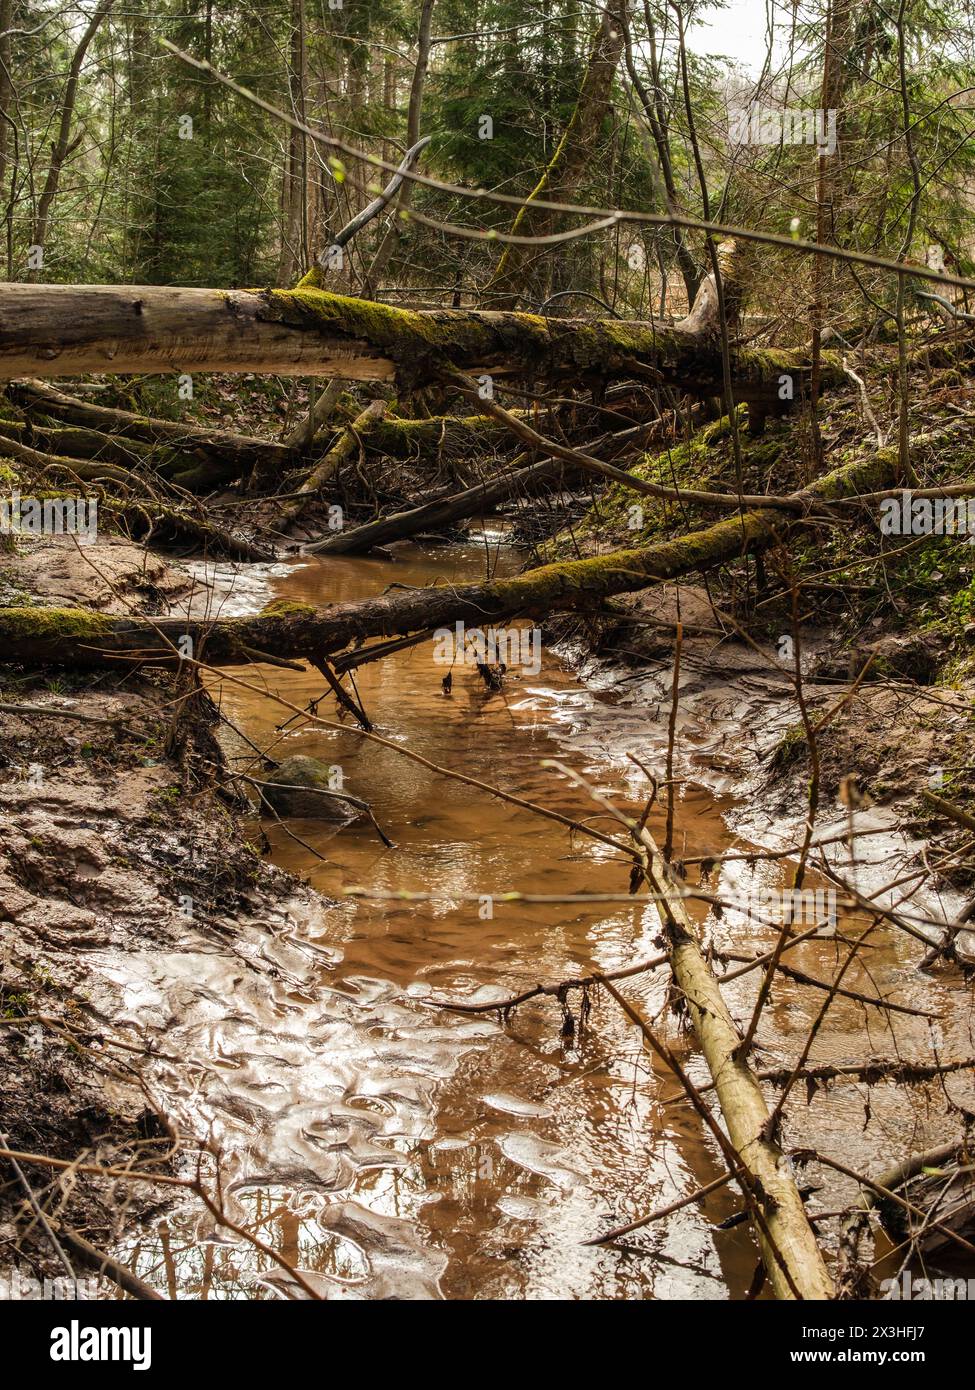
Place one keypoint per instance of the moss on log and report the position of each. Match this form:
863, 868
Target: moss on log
320, 632
188, 441
54, 330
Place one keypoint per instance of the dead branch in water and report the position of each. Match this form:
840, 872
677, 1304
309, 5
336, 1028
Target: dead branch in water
793, 1261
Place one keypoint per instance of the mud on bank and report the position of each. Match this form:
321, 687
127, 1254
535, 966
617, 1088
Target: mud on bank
118, 834
115, 842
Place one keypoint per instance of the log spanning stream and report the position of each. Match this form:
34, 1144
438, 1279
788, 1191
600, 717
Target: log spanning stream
391, 1149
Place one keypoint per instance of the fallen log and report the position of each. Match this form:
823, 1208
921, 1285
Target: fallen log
77, 441
433, 516
76, 637
141, 515
57, 330
85, 469
445, 508
791, 1255
240, 452
460, 436
443, 435
145, 518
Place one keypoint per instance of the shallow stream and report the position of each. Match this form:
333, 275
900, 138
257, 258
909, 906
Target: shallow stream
393, 1149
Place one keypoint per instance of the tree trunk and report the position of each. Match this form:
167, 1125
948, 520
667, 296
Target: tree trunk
659, 126
572, 160
293, 260
62, 146
6, 87
381, 258
57, 330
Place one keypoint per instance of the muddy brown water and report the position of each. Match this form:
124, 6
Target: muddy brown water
392, 1149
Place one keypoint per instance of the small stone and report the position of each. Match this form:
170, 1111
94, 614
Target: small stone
302, 786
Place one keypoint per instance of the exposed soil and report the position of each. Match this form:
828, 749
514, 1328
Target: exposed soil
112, 836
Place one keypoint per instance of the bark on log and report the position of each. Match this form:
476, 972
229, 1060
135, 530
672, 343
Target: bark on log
790, 1253
442, 435
240, 452
76, 637
77, 441
55, 330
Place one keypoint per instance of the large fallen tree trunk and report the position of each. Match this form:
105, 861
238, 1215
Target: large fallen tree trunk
55, 330
75, 637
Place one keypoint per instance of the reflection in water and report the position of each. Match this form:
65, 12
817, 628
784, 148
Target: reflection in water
394, 1150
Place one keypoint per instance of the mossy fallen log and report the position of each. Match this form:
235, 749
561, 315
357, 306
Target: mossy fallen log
56, 330
457, 437
440, 436
88, 470
75, 637
79, 442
